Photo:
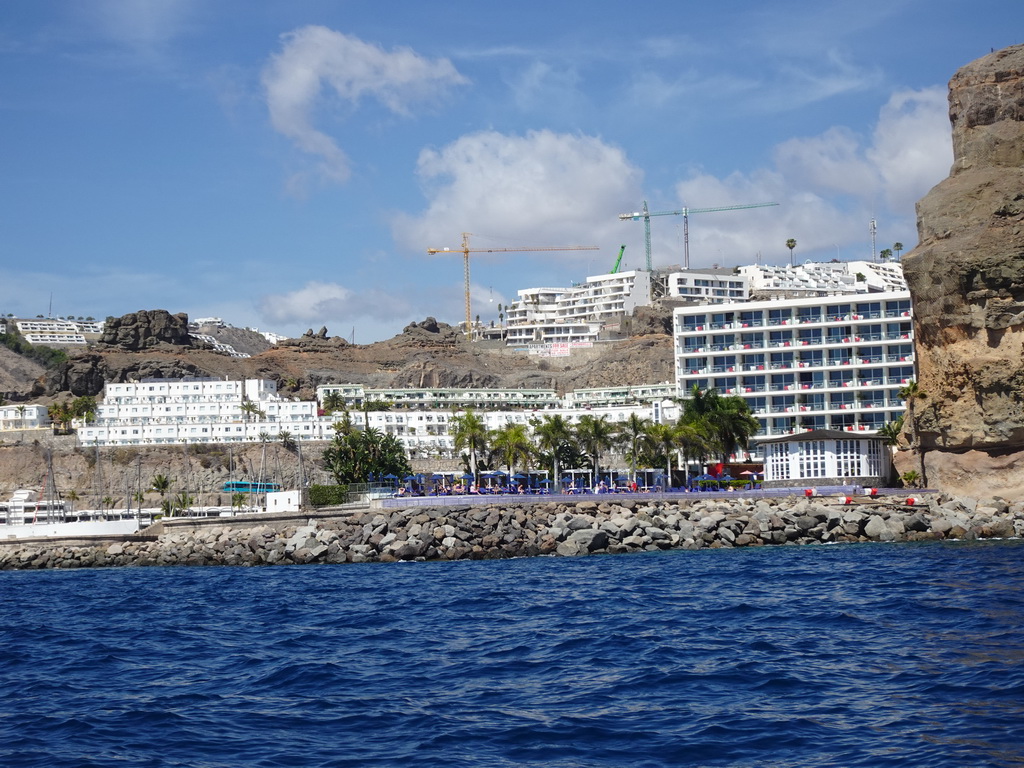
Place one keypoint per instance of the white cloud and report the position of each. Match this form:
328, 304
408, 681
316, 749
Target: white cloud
912, 145
541, 189
374, 313
828, 186
315, 56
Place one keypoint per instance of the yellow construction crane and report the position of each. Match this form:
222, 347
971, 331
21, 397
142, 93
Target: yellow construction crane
466, 250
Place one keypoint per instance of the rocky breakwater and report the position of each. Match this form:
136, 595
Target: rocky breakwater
503, 530
964, 430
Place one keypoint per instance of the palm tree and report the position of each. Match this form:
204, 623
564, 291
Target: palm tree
595, 435
885, 254
891, 431
696, 441
333, 401
250, 409
551, 434
512, 443
21, 415
911, 393
287, 441
791, 244
161, 484
735, 425
470, 434
722, 423
633, 432
897, 247
664, 437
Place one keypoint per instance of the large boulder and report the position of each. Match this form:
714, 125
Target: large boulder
146, 328
966, 276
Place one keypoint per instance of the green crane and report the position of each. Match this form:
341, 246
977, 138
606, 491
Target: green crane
685, 213
618, 261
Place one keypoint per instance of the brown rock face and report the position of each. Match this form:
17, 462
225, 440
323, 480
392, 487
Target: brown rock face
146, 328
967, 275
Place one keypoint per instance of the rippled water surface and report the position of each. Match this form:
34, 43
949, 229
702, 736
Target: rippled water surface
865, 655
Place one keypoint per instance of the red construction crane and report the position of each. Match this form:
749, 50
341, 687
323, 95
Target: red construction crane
466, 250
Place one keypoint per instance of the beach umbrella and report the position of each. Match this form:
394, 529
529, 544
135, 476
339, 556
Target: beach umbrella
518, 476
467, 476
389, 476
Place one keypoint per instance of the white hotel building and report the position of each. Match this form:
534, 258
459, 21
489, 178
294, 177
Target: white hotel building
176, 411
835, 361
595, 309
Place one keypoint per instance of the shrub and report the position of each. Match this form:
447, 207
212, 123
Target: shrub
327, 495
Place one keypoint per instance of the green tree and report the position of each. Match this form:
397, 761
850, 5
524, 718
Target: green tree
885, 254
722, 423
634, 434
333, 401
161, 484
83, 407
61, 416
596, 435
897, 247
791, 244
553, 434
512, 443
354, 454
469, 434
287, 440
251, 409
911, 393
891, 431
664, 438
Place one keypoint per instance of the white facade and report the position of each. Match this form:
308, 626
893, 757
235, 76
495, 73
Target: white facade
17, 417
59, 331
580, 313
825, 456
174, 411
708, 285
356, 395
834, 362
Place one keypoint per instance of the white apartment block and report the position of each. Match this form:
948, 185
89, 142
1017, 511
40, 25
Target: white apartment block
824, 362
175, 411
18, 417
823, 278
577, 314
59, 332
355, 395
707, 285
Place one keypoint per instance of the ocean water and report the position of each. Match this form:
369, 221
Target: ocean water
850, 655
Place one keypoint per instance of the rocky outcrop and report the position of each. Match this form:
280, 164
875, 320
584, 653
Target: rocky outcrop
498, 529
86, 374
966, 277
141, 330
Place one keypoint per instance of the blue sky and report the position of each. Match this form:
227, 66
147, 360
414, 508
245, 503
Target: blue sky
286, 165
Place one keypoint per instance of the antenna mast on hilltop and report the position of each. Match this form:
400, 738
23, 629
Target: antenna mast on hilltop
874, 230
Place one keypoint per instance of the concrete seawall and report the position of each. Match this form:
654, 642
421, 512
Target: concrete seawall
497, 528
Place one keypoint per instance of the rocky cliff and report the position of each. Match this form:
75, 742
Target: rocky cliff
966, 277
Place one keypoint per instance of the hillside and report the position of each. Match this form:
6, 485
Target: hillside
427, 354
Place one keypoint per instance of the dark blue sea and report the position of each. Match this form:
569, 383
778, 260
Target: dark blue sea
849, 655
